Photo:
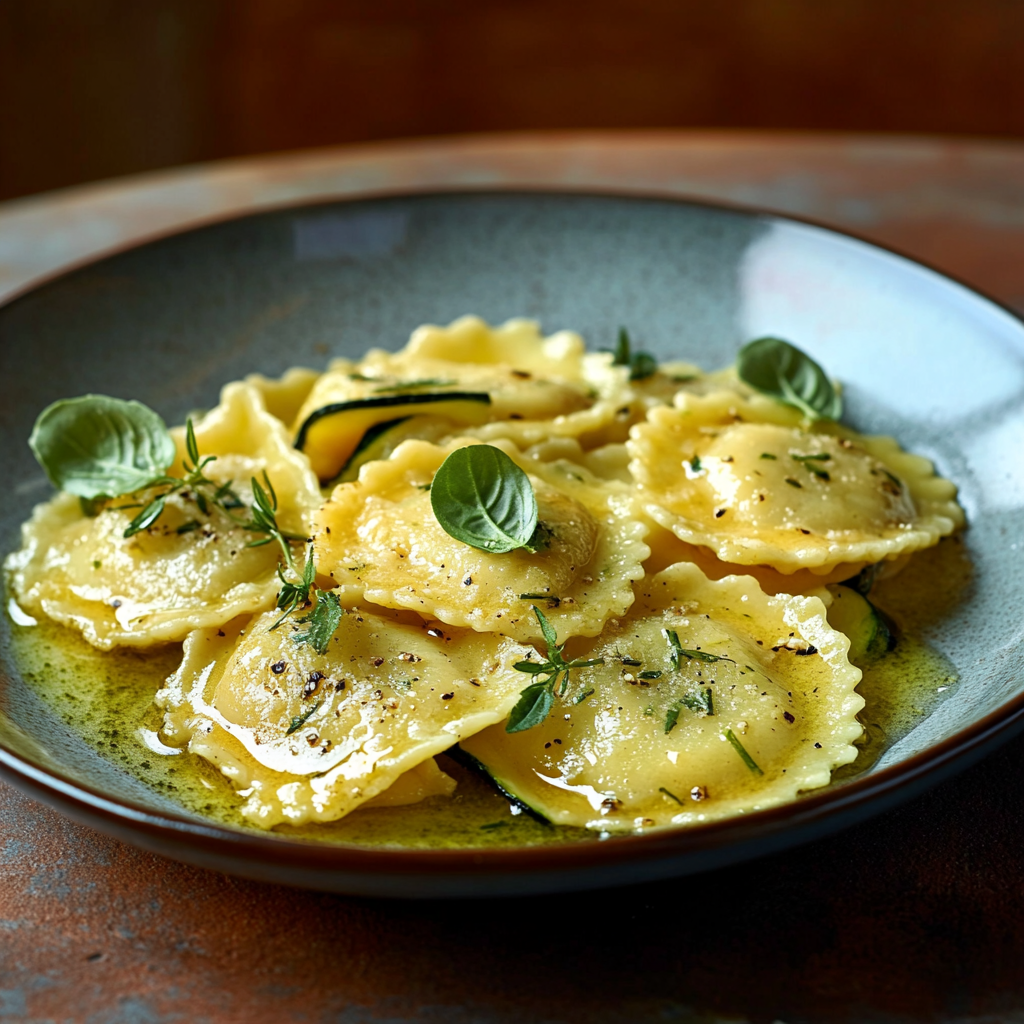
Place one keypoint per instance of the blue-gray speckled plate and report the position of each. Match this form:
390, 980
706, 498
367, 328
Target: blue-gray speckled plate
921, 357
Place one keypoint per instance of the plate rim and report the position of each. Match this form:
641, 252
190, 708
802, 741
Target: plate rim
827, 809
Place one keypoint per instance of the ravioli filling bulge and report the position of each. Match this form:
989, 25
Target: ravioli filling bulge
643, 737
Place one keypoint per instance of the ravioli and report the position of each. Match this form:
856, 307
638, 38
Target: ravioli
747, 479
310, 737
379, 540
188, 570
713, 699
490, 382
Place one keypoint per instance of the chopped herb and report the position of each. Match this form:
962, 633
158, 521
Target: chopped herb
809, 460
671, 796
652, 674
894, 479
552, 601
768, 455
300, 720
793, 483
677, 652
323, 620
672, 716
701, 701
695, 464
742, 751
583, 696
675, 648
632, 662
537, 699
493, 824
188, 527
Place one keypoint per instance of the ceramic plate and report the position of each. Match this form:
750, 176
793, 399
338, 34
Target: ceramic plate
921, 357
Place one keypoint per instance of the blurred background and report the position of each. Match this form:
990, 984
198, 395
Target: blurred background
90, 89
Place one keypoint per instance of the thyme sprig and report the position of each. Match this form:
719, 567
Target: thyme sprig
293, 596
204, 491
536, 700
208, 495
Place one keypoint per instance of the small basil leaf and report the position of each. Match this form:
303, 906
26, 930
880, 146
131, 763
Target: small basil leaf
782, 371
482, 498
98, 446
533, 706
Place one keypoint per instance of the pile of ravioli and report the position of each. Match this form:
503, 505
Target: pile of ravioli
679, 506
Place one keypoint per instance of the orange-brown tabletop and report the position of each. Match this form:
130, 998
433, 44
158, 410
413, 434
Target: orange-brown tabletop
915, 915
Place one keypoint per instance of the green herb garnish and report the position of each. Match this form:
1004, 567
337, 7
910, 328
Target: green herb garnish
482, 498
537, 699
677, 651
700, 701
300, 720
780, 370
292, 596
671, 796
742, 751
323, 620
641, 364
808, 463
768, 455
100, 447
264, 520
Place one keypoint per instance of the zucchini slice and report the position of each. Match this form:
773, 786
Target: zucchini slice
505, 787
332, 434
871, 633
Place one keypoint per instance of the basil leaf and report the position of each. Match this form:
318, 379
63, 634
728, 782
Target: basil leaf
482, 498
782, 371
533, 706
95, 446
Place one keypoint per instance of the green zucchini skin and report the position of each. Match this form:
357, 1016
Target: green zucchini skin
384, 402
872, 633
467, 760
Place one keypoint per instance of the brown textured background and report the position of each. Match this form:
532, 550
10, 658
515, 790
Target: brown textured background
94, 88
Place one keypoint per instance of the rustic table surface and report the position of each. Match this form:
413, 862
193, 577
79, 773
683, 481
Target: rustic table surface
914, 916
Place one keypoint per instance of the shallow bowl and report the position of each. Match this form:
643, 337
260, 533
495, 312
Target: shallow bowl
920, 356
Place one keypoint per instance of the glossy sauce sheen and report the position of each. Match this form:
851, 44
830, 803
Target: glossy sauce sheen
106, 698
